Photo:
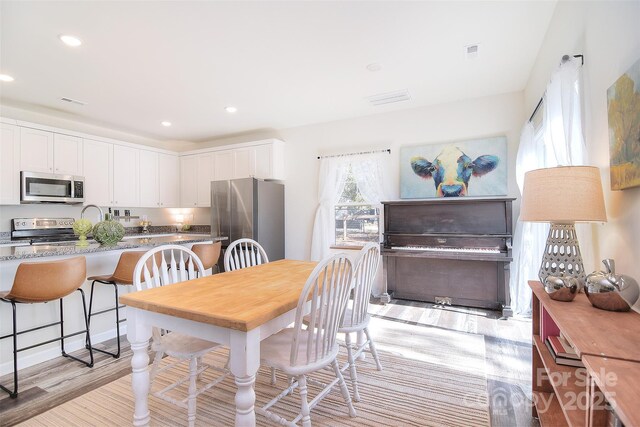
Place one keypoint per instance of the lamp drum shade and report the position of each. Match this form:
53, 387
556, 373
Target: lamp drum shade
563, 195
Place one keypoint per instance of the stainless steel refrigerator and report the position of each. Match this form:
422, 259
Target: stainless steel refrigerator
250, 208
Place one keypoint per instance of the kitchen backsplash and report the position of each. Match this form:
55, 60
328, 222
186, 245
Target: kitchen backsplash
157, 217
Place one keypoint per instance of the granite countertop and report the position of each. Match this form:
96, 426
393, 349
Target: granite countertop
71, 248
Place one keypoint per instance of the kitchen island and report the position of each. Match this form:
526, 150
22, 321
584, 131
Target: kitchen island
130, 242
100, 260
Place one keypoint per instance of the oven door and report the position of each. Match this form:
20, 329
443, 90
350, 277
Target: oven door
36, 187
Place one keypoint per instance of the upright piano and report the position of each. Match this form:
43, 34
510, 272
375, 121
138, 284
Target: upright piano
449, 251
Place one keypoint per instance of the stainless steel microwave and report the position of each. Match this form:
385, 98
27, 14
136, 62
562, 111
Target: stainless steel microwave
37, 187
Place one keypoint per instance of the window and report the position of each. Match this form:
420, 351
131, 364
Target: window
356, 221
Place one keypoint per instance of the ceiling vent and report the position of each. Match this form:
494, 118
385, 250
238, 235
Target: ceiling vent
73, 101
389, 97
471, 51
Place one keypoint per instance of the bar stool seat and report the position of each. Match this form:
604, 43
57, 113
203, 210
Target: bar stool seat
122, 275
209, 253
41, 282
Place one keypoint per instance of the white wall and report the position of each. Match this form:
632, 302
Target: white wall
483, 117
608, 34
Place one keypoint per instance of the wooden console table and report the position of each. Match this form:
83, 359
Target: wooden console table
608, 344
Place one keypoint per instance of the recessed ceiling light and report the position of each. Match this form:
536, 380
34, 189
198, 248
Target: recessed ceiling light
230, 109
5, 78
166, 124
70, 40
374, 66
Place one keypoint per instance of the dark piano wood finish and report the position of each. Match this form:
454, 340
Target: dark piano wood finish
469, 278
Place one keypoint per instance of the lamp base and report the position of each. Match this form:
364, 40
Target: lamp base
562, 254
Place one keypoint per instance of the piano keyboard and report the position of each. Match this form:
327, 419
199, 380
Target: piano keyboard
438, 249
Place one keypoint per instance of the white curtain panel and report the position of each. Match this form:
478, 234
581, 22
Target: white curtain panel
529, 237
368, 171
331, 182
562, 144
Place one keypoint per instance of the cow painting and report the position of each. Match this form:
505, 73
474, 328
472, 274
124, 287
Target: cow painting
452, 169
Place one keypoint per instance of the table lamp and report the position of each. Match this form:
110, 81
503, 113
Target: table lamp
563, 196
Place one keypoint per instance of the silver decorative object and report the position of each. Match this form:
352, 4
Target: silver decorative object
562, 288
562, 254
610, 291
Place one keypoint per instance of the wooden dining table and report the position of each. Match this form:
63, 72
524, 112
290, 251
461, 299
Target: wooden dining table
238, 309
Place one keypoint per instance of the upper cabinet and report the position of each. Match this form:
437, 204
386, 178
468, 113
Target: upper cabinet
36, 150
98, 172
67, 154
196, 174
126, 191
48, 152
159, 180
265, 160
9, 164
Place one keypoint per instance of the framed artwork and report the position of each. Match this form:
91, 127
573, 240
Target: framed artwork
466, 168
623, 107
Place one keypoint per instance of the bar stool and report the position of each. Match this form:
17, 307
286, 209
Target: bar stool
123, 275
37, 282
208, 254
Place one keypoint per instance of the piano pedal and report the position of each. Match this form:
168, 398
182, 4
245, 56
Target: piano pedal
443, 300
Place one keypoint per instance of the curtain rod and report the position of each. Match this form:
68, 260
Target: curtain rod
387, 150
565, 58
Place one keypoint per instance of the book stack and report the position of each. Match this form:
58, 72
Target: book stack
562, 351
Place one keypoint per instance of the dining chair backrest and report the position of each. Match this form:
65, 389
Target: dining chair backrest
165, 265
243, 253
363, 276
326, 292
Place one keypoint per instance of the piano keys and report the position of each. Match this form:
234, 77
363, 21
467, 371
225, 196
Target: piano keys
454, 249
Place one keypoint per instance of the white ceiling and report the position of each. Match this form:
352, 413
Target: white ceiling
282, 64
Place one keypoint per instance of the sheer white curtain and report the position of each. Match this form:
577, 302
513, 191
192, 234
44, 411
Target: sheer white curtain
559, 143
331, 181
368, 171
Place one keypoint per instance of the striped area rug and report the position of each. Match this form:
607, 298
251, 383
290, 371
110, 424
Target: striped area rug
431, 377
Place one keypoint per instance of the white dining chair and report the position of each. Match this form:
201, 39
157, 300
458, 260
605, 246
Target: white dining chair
243, 253
298, 351
356, 317
164, 266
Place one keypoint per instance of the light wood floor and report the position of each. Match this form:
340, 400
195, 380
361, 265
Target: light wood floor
507, 349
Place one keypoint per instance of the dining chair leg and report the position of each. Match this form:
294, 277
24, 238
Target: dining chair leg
344, 389
305, 411
352, 367
273, 376
13, 394
191, 400
199, 363
372, 349
156, 364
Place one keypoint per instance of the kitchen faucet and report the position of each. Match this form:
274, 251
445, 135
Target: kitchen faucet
92, 206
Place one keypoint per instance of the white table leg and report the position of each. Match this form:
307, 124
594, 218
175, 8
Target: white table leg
245, 361
138, 335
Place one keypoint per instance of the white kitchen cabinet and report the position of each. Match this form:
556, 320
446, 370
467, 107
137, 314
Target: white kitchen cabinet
97, 162
67, 154
36, 150
48, 152
189, 181
159, 180
269, 160
126, 176
196, 174
223, 165
9, 164
244, 163
148, 169
169, 180
205, 176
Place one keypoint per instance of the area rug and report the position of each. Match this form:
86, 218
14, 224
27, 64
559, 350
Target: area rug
431, 377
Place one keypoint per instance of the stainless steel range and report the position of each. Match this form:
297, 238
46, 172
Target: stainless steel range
42, 230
